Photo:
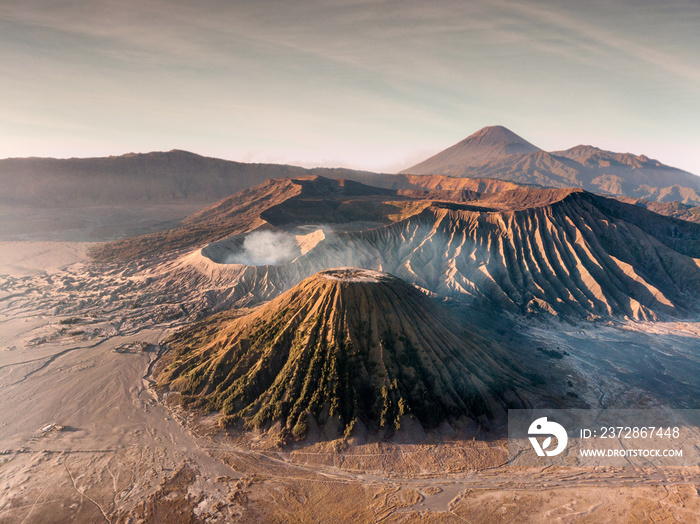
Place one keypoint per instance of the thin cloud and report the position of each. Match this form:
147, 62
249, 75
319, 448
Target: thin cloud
607, 43
329, 77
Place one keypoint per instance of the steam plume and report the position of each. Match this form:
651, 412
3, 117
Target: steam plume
262, 248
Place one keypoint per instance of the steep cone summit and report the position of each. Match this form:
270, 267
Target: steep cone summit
495, 139
344, 347
487, 143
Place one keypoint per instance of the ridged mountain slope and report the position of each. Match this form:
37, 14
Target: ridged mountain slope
563, 251
308, 198
343, 347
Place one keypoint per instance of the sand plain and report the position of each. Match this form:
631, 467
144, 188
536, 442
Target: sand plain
84, 437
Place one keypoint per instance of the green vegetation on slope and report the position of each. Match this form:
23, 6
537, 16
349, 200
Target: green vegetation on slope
342, 351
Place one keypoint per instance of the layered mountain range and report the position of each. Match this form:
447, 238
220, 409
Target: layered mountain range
330, 304
496, 152
527, 250
491, 154
344, 349
173, 176
158, 177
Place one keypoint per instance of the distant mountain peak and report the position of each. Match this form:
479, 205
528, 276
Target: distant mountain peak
498, 135
592, 156
498, 140
584, 148
487, 143
495, 152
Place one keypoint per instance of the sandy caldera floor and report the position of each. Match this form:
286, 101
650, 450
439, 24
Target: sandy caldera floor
83, 438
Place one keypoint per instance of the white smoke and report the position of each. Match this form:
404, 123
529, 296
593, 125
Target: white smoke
262, 248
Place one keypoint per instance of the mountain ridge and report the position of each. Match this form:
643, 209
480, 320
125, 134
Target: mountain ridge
172, 176
560, 251
498, 157
589, 167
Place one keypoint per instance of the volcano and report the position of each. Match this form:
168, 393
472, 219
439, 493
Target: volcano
498, 153
528, 251
484, 145
345, 348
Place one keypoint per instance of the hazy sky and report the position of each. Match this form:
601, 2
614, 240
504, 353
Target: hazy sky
371, 84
